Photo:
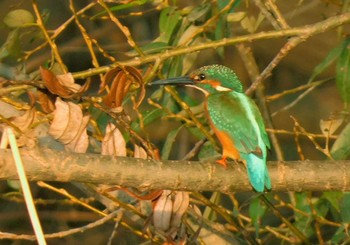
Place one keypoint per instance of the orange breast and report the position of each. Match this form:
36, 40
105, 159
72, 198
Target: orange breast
228, 145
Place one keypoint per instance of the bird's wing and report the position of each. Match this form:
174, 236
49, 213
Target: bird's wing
238, 116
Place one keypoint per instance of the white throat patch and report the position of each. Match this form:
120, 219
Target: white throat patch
222, 89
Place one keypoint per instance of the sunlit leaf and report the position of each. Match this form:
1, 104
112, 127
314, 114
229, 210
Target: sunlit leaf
341, 147
18, 18
343, 74
236, 16
113, 143
170, 18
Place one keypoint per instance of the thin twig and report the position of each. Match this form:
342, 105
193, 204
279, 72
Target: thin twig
5, 235
304, 32
52, 44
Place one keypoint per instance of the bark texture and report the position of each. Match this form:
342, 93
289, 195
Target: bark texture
50, 165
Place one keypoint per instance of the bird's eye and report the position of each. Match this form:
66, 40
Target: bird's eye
201, 77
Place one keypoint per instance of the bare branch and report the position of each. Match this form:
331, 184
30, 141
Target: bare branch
50, 165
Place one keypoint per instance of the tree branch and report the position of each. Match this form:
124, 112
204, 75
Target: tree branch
50, 165
304, 32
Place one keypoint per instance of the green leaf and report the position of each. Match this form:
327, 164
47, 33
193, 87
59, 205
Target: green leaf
303, 222
333, 198
341, 147
199, 13
18, 18
322, 207
148, 117
169, 20
339, 235
345, 207
207, 151
168, 144
330, 58
122, 6
343, 74
256, 212
11, 47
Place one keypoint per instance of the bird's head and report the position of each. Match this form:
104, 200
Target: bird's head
209, 79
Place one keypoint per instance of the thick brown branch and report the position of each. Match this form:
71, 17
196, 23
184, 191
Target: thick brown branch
49, 165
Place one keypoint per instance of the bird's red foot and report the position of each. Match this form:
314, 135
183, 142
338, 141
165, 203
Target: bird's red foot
222, 162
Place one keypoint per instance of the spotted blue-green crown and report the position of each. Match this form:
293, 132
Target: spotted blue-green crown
222, 74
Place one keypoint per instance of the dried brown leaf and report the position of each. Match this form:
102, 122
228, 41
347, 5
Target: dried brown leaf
69, 126
63, 85
329, 126
169, 209
24, 121
113, 143
139, 152
181, 202
80, 142
162, 211
45, 102
121, 80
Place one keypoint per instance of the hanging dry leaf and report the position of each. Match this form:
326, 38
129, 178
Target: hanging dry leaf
162, 211
139, 152
181, 202
113, 142
80, 142
45, 101
27, 136
24, 121
169, 209
62, 85
69, 126
121, 79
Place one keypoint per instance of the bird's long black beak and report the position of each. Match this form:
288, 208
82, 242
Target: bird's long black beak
174, 81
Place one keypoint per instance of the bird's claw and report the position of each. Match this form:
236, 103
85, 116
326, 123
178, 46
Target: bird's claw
222, 162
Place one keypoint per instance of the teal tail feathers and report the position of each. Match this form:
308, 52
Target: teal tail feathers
257, 172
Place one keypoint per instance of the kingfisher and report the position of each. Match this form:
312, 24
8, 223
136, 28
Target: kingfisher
234, 118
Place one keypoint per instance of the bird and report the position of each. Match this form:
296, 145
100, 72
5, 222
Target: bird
234, 118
